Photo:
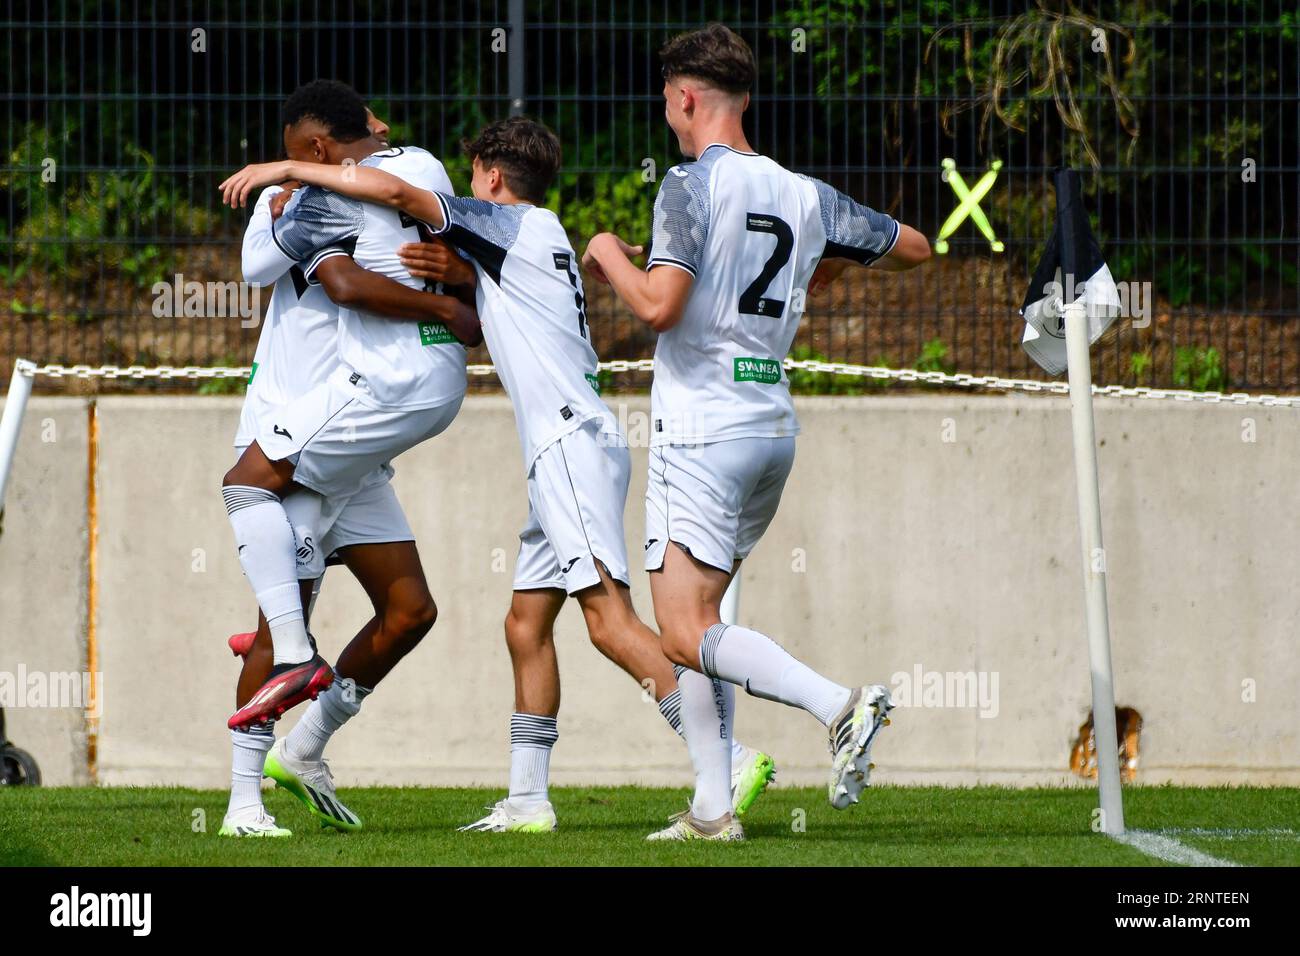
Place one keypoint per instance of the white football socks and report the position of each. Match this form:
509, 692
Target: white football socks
671, 708
335, 706
707, 709
249, 749
531, 738
304, 509
765, 669
267, 549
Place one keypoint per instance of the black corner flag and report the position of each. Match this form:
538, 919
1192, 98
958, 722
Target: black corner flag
1071, 269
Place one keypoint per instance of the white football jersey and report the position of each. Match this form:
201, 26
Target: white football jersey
750, 233
534, 316
400, 363
297, 347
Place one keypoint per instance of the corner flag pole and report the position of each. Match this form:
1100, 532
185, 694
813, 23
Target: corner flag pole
20, 389
1094, 568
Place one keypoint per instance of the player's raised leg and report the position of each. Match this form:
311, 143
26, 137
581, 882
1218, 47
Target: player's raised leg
530, 636
394, 580
578, 489
688, 594
618, 633
240, 644
253, 491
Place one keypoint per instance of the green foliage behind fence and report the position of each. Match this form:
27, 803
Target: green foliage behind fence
1182, 114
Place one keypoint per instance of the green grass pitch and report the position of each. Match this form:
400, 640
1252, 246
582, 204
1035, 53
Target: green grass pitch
893, 826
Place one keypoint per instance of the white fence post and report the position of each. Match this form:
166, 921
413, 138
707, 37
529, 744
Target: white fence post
20, 389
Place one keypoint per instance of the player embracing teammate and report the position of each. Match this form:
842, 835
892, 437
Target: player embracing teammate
736, 241
346, 329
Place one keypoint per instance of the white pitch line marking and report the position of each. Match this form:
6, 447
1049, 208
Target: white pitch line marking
1234, 833
1168, 849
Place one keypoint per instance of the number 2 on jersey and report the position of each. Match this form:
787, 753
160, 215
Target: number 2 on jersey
752, 301
563, 262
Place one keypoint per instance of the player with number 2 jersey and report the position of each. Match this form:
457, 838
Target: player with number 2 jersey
736, 241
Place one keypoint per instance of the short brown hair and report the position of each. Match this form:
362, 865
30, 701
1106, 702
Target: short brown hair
526, 152
715, 54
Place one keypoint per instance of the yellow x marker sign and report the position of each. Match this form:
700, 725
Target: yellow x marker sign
970, 205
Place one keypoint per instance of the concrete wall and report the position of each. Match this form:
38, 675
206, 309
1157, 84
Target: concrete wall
895, 550
43, 574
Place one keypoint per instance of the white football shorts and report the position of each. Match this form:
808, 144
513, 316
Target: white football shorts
577, 491
714, 499
371, 516
336, 437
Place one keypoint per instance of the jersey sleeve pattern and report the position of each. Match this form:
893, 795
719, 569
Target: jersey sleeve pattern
482, 230
318, 225
853, 231
681, 221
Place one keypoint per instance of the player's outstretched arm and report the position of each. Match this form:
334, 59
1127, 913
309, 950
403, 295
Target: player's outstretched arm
657, 297
359, 182
859, 235
909, 251
347, 284
261, 261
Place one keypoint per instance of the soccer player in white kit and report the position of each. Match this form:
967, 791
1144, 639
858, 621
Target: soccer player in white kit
367, 532
736, 240
395, 384
532, 307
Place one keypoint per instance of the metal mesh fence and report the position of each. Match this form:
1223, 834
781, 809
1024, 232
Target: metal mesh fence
121, 117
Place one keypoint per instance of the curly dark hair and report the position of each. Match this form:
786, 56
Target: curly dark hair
526, 152
337, 106
713, 54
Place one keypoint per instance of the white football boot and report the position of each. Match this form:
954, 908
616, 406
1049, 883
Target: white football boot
252, 821
505, 817
851, 735
685, 827
312, 783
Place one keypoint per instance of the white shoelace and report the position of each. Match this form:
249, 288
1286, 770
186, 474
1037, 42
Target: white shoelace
321, 777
